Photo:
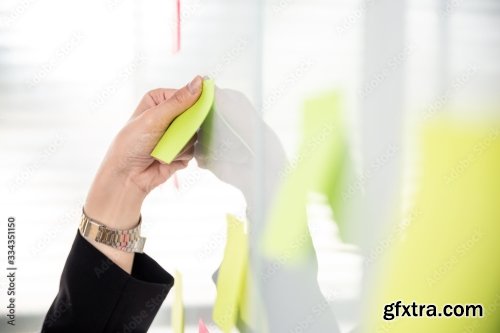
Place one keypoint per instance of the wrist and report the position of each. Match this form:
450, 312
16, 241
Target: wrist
114, 200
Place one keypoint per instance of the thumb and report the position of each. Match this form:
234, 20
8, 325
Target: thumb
160, 117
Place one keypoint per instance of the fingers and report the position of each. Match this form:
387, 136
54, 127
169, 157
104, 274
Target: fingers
159, 118
165, 171
190, 144
152, 99
186, 155
176, 166
160, 95
187, 152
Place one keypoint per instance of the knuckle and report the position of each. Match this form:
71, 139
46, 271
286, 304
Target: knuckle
179, 97
149, 120
154, 92
150, 93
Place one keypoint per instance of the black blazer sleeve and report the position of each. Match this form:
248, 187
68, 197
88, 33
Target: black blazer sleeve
95, 295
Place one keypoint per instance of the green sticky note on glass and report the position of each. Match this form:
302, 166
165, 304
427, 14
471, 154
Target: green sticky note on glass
178, 306
318, 168
447, 253
184, 127
231, 280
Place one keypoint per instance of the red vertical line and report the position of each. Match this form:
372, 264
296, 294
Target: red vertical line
178, 30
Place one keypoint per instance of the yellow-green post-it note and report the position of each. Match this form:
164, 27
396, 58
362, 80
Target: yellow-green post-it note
184, 127
178, 306
232, 275
448, 253
319, 168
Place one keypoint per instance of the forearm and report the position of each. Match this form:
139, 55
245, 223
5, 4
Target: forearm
116, 202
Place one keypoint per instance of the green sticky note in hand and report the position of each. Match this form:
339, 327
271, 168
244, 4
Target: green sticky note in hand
184, 127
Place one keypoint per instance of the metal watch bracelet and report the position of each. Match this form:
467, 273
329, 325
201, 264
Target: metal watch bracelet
125, 240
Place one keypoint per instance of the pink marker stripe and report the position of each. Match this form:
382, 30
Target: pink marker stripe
178, 32
201, 327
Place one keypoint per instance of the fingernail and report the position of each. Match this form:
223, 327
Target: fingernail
194, 86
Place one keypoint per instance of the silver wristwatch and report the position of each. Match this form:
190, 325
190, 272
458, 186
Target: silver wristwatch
125, 240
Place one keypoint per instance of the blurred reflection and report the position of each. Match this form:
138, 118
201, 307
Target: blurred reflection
227, 145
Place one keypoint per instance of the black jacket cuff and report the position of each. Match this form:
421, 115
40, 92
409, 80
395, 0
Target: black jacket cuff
95, 295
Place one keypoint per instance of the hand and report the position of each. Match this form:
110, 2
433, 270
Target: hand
128, 172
